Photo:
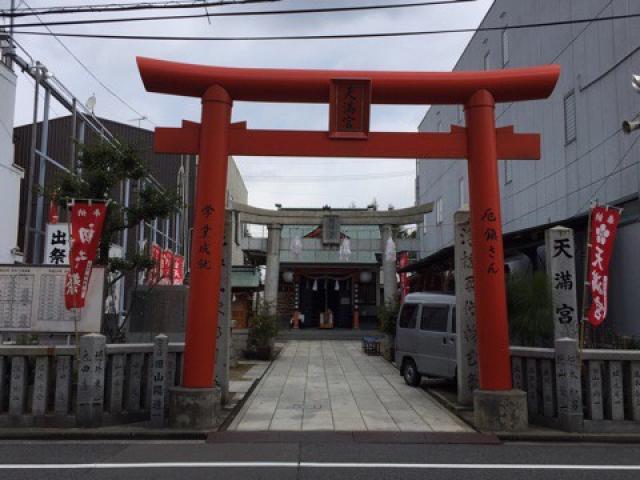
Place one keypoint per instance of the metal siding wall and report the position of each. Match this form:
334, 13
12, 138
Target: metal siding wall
562, 183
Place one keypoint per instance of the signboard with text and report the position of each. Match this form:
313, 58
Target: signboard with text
57, 244
349, 108
32, 300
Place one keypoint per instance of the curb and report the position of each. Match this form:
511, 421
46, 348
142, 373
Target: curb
92, 434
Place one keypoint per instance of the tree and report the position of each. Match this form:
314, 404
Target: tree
102, 167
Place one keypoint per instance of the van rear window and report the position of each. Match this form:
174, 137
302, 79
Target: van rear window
408, 315
434, 318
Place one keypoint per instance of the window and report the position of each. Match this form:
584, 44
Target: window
570, 117
439, 211
461, 192
487, 63
434, 318
508, 171
408, 315
505, 47
439, 127
460, 113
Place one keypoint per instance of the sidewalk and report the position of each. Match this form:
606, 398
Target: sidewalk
332, 385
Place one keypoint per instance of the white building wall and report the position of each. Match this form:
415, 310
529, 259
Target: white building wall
10, 175
237, 192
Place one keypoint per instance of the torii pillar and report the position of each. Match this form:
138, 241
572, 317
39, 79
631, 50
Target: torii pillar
350, 94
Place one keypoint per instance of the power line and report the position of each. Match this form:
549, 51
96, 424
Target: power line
94, 76
246, 13
613, 171
508, 107
122, 7
324, 178
334, 36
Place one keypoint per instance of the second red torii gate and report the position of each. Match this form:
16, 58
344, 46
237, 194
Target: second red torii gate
215, 138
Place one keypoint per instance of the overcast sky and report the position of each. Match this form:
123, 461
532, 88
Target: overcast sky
294, 182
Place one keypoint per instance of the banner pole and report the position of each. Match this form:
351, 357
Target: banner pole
585, 287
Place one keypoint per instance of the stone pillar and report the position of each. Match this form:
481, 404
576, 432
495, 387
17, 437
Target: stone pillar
223, 342
467, 341
40, 396
561, 268
159, 379
64, 376
18, 386
115, 382
560, 263
388, 268
91, 370
3, 385
568, 385
272, 274
134, 382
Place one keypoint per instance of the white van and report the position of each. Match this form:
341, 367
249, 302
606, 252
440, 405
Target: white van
426, 337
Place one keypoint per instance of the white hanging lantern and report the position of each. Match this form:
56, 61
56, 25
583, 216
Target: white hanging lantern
345, 250
337, 287
365, 276
315, 286
390, 250
296, 247
287, 276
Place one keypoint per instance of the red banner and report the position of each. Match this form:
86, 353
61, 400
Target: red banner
178, 269
153, 274
166, 267
403, 261
86, 228
604, 224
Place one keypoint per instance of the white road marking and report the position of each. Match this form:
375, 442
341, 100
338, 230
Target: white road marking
337, 465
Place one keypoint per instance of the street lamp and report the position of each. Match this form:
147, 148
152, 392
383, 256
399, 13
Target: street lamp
629, 126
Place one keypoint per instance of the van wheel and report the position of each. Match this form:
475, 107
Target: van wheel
410, 373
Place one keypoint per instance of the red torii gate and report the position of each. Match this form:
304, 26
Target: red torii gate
350, 94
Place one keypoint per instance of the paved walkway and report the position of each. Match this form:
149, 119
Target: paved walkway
332, 385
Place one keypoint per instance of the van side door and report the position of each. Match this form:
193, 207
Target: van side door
406, 330
433, 340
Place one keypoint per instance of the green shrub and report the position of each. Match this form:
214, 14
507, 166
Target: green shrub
263, 327
387, 314
530, 308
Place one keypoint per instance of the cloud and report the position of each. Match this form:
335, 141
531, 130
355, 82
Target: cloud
114, 63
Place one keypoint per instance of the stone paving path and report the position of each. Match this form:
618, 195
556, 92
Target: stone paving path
333, 385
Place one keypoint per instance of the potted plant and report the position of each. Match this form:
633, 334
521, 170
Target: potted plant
387, 314
262, 331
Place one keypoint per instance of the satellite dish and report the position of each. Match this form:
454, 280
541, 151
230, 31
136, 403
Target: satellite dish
91, 102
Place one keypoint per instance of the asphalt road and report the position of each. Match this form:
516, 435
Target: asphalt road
322, 459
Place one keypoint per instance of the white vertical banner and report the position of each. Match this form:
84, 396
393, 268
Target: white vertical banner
57, 244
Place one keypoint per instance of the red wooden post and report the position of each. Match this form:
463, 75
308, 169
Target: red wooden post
208, 236
486, 235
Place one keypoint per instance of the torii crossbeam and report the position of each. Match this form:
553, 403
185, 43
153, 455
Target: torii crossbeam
350, 94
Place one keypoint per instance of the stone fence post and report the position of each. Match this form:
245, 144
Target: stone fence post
159, 379
561, 268
91, 374
467, 345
